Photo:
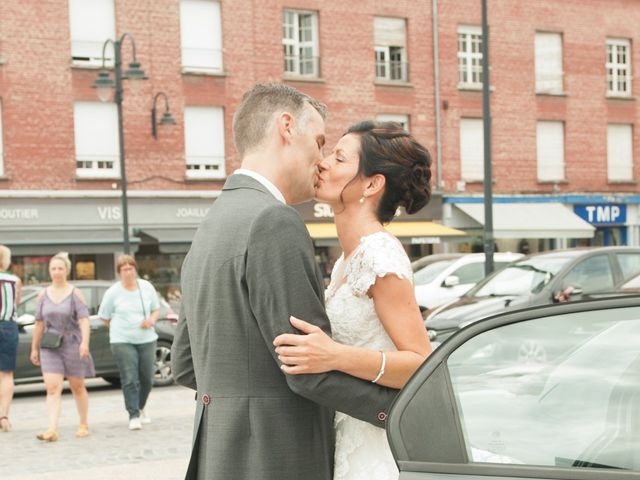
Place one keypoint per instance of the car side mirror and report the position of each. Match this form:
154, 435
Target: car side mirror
26, 319
451, 281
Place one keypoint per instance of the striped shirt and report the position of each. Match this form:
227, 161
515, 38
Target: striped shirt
8, 291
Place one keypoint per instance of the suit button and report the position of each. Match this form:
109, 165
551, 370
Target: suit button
206, 399
382, 416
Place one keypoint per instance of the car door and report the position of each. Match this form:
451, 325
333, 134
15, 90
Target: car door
594, 274
26, 324
472, 413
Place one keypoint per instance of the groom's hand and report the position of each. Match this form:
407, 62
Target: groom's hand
312, 352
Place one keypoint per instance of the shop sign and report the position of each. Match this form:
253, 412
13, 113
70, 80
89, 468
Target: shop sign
602, 214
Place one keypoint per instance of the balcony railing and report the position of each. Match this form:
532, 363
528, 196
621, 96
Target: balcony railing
392, 71
301, 66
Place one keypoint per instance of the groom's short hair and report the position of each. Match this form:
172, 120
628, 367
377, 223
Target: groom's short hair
258, 107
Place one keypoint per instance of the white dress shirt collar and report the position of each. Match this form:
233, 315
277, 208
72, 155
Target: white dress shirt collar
264, 181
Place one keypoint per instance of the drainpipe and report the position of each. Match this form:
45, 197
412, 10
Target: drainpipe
436, 89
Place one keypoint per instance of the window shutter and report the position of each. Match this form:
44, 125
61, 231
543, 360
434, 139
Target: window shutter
204, 142
550, 151
471, 149
390, 31
96, 133
201, 35
91, 23
548, 48
620, 152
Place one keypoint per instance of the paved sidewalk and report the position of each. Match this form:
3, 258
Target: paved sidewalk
159, 451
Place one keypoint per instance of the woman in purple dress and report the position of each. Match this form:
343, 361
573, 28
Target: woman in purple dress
62, 310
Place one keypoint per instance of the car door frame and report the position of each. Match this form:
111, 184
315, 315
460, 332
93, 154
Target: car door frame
439, 409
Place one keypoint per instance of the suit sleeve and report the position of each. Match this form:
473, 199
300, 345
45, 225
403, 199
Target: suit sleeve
181, 357
283, 280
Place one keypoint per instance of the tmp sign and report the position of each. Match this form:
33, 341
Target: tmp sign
603, 213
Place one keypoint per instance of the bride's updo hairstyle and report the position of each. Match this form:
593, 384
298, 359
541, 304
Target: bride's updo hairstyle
387, 149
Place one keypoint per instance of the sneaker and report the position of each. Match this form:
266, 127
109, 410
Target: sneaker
143, 417
135, 424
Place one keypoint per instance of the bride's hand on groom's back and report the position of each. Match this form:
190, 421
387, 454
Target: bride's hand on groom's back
311, 352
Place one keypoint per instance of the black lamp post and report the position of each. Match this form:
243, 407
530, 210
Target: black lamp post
167, 118
104, 84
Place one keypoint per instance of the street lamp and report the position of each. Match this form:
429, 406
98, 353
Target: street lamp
104, 84
167, 118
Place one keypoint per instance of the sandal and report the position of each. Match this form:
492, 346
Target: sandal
48, 436
83, 431
5, 424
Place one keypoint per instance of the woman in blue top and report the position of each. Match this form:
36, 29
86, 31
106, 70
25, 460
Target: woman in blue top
131, 309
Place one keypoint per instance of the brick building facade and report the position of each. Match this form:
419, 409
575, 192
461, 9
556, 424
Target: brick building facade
59, 181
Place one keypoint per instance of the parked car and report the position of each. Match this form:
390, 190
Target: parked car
433, 258
105, 364
444, 280
539, 279
470, 413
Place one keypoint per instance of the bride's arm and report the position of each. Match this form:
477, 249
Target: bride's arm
396, 307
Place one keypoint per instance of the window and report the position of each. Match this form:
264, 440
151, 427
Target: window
1, 147
619, 152
471, 273
550, 151
560, 391
591, 275
201, 36
96, 139
300, 43
469, 57
548, 62
629, 264
91, 23
391, 49
471, 149
618, 67
390, 117
204, 142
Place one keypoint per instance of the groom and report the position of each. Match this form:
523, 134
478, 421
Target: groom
250, 267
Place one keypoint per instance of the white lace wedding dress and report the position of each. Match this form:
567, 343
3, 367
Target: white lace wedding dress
362, 451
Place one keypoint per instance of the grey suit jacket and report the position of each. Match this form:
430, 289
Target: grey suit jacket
250, 266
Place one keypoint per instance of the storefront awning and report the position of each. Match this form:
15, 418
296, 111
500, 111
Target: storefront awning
530, 220
170, 240
49, 242
415, 232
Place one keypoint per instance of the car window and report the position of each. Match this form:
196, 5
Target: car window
28, 305
556, 391
592, 275
427, 274
632, 284
470, 273
89, 298
521, 278
629, 264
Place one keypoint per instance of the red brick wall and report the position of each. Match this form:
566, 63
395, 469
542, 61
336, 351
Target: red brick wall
38, 85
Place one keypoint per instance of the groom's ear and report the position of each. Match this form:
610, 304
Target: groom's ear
375, 184
286, 123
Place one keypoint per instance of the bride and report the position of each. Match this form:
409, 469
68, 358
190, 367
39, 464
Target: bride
378, 333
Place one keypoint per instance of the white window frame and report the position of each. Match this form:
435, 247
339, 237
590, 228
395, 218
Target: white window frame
466, 57
103, 135
395, 117
296, 45
88, 35
618, 74
471, 150
386, 68
204, 151
201, 50
550, 162
619, 153
1, 141
549, 70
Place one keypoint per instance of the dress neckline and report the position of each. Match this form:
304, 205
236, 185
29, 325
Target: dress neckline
46, 292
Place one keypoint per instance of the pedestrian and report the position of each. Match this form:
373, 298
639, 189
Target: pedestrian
60, 345
131, 309
251, 265
10, 287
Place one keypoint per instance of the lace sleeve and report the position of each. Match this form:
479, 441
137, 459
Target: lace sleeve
378, 254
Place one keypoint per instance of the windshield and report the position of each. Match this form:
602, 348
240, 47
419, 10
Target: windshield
521, 278
430, 272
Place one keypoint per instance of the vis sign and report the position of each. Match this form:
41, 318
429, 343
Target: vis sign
602, 214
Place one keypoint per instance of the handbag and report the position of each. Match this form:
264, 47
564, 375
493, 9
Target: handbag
52, 340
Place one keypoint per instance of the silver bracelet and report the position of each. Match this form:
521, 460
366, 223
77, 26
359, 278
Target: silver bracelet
381, 372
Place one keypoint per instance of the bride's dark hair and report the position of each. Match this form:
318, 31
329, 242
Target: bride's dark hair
387, 149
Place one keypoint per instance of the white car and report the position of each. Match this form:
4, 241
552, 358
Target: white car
444, 280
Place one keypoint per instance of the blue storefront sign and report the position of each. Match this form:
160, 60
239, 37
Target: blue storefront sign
603, 213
